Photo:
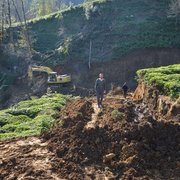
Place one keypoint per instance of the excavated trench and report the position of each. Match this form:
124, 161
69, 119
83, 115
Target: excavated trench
88, 143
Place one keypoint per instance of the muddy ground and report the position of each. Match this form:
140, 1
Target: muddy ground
89, 143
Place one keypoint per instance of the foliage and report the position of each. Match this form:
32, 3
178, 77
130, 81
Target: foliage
31, 117
89, 7
35, 8
116, 115
165, 78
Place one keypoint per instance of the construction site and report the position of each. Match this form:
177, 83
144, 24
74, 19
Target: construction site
89, 90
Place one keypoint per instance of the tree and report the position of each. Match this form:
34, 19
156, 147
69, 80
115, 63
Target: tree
10, 21
32, 8
2, 20
174, 9
26, 28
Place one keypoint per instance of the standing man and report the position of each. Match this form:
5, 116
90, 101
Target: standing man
100, 88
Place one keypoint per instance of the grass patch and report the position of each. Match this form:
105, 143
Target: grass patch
165, 78
31, 117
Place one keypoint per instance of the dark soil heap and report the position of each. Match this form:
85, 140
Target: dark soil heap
125, 142
143, 149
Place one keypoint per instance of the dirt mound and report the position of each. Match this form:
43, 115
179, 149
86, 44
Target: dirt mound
25, 158
121, 145
115, 148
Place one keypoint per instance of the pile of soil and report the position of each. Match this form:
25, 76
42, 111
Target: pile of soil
142, 149
126, 146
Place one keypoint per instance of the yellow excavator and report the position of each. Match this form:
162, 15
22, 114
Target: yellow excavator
53, 80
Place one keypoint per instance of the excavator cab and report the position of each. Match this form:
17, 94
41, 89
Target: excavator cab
52, 77
65, 78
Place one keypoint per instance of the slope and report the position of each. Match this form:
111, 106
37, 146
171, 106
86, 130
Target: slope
115, 28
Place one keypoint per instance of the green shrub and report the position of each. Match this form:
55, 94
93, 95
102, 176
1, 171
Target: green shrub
31, 117
165, 78
23, 127
8, 128
31, 112
4, 118
4, 136
43, 122
116, 115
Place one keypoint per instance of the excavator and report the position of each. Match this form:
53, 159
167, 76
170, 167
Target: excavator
45, 75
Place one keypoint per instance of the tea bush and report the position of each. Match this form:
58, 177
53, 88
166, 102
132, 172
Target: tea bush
165, 78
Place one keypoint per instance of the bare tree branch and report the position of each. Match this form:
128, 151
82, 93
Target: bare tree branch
15, 7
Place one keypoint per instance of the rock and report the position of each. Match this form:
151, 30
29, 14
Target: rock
108, 157
139, 92
116, 91
85, 160
178, 164
89, 170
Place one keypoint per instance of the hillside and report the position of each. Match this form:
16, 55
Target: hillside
45, 134
114, 27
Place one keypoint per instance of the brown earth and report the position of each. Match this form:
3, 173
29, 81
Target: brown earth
89, 143
159, 105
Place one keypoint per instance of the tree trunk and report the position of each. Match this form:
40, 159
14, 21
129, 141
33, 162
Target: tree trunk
2, 21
